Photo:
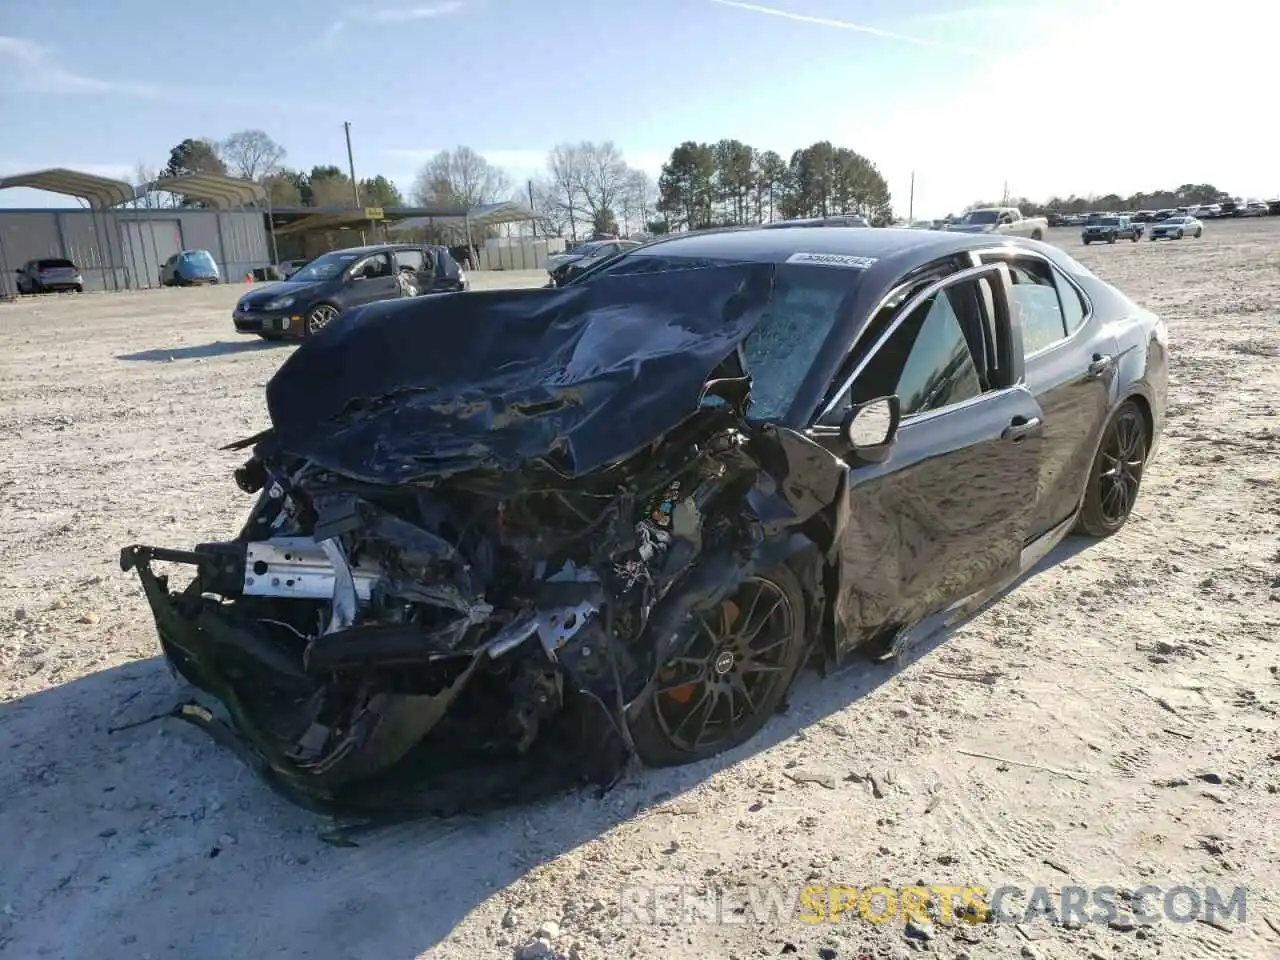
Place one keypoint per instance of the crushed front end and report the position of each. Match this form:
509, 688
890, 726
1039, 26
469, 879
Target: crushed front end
371, 627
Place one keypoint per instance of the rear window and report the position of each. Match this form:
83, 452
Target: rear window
1110, 221
55, 265
201, 258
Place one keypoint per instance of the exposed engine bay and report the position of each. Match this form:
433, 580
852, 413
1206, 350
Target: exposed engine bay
415, 592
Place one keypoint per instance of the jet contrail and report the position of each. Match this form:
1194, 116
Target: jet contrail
846, 25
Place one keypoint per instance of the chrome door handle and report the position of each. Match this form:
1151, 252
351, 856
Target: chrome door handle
1101, 364
1020, 428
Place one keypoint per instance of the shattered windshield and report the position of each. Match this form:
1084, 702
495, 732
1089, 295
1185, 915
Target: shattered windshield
782, 348
779, 352
324, 267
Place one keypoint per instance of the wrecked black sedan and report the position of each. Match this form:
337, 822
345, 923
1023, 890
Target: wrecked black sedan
617, 518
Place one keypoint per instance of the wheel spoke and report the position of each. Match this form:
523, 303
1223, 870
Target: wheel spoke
706, 695
749, 634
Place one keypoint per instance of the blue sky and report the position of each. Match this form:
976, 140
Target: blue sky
966, 94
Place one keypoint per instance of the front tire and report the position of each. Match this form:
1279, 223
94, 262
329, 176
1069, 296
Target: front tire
726, 685
321, 316
1178, 235
1116, 474
1111, 238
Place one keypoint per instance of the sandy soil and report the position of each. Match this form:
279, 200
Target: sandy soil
1131, 687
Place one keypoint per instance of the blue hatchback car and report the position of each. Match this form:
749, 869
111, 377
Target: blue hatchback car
188, 267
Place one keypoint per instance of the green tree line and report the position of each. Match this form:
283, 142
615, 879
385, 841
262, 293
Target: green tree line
730, 182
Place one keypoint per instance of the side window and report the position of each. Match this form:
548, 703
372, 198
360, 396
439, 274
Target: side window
1073, 307
1036, 305
379, 265
933, 358
409, 260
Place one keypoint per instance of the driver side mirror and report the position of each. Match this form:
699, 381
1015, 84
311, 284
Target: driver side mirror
870, 428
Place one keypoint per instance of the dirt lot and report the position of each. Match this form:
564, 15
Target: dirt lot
1131, 689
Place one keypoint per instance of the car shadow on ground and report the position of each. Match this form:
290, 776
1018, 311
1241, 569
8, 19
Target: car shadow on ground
106, 831
220, 348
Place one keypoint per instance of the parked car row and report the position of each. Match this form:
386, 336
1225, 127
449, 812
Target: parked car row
1110, 229
1205, 211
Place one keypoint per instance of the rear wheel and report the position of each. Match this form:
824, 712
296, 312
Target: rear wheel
721, 690
1116, 474
1199, 233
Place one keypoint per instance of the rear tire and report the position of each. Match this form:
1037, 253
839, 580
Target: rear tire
1199, 233
1115, 477
776, 643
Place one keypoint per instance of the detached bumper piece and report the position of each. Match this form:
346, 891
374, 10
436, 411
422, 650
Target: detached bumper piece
388, 760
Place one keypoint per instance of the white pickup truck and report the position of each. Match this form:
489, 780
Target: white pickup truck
1001, 220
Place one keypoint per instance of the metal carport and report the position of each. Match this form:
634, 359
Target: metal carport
100, 193
479, 217
221, 193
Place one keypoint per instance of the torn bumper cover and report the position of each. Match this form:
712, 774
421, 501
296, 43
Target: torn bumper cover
483, 524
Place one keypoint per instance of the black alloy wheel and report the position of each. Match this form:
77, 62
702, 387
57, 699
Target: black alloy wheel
730, 680
1116, 475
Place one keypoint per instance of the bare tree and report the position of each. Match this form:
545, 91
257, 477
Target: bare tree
460, 177
548, 205
639, 196
602, 175
560, 198
252, 154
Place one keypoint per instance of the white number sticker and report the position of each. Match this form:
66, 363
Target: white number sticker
832, 260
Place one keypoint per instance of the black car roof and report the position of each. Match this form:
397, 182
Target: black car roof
378, 247
776, 245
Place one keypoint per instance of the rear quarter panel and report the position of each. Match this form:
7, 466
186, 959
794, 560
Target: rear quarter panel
1141, 337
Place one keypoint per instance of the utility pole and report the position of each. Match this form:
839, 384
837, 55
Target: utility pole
532, 223
1004, 197
351, 165
911, 201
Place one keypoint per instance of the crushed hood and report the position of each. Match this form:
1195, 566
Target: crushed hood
580, 377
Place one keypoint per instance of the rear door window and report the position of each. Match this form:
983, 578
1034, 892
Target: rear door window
409, 260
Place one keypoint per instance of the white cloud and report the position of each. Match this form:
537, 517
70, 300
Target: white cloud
37, 72
409, 14
847, 25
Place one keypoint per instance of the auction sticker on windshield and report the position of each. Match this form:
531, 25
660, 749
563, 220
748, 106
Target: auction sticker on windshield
832, 260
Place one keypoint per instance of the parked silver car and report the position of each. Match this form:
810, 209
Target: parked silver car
48, 275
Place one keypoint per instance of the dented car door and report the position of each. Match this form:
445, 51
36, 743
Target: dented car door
944, 516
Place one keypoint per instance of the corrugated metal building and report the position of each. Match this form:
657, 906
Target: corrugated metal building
118, 243
123, 249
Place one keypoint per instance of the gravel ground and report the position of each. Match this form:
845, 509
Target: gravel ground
1125, 698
